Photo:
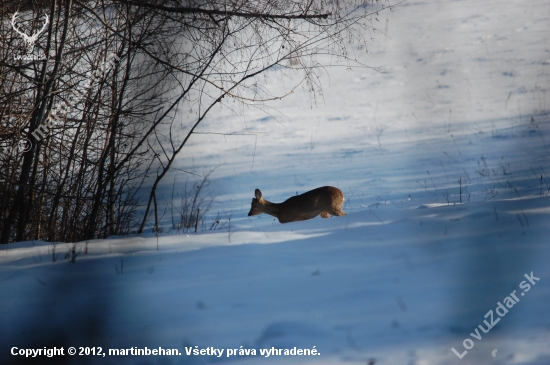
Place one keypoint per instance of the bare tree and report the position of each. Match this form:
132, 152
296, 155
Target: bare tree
224, 50
99, 129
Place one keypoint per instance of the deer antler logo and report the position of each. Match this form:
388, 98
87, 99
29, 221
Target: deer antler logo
29, 40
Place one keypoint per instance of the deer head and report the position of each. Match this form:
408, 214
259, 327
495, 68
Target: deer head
29, 40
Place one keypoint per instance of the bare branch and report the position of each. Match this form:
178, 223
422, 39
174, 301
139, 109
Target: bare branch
212, 12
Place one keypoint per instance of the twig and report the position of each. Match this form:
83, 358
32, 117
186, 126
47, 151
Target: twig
197, 220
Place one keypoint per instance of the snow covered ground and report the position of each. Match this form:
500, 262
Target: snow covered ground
407, 275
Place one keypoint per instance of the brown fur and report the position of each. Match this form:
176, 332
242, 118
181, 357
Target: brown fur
324, 201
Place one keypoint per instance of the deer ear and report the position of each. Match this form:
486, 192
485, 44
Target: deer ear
258, 194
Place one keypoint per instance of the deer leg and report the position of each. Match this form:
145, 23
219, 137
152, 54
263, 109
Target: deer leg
338, 212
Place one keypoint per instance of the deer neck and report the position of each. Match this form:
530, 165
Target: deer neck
273, 209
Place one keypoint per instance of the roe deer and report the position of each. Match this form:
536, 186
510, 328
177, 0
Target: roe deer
324, 201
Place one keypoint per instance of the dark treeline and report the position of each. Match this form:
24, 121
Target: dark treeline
83, 113
97, 98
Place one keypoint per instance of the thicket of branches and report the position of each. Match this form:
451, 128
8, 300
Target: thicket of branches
114, 129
